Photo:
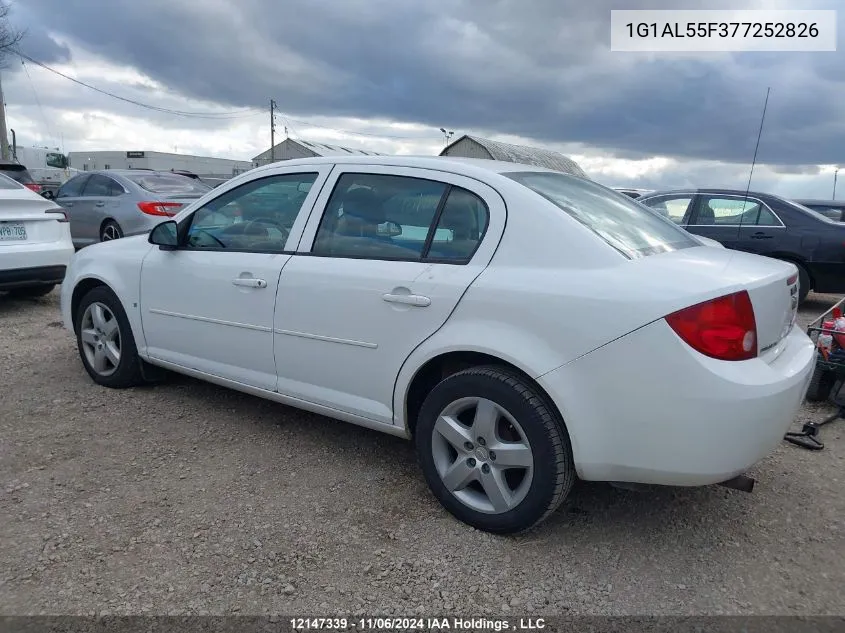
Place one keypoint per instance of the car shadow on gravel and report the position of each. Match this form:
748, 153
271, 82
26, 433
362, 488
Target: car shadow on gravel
590, 507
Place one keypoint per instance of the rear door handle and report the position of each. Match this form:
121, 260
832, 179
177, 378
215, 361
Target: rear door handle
67, 204
99, 204
250, 282
412, 300
759, 235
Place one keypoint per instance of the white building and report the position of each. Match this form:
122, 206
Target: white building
477, 147
290, 149
202, 166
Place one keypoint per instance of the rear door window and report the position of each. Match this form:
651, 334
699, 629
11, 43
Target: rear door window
101, 186
624, 224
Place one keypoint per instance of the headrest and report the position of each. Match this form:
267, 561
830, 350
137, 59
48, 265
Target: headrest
363, 204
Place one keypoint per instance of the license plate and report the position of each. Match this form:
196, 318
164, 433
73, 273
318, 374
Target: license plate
12, 232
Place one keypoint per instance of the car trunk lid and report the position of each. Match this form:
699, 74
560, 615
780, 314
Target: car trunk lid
29, 221
711, 272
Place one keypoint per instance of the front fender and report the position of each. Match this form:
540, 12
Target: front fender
119, 270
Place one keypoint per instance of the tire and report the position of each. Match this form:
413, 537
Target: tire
526, 420
803, 283
99, 337
110, 231
820, 385
32, 292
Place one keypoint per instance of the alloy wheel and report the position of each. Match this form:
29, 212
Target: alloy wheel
482, 455
111, 232
100, 334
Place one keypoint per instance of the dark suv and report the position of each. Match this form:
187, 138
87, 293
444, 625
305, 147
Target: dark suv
19, 173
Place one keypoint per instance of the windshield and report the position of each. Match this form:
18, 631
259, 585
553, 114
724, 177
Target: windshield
628, 226
169, 184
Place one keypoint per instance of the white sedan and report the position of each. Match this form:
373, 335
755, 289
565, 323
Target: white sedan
35, 241
524, 327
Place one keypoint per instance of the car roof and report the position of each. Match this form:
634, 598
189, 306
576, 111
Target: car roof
828, 203
727, 192
7, 164
467, 166
132, 172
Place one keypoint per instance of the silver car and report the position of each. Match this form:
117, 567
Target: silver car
107, 205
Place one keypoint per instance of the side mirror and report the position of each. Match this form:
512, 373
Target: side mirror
165, 235
391, 229
47, 194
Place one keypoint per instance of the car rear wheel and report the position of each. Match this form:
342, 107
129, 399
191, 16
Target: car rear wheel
32, 291
493, 452
105, 342
111, 231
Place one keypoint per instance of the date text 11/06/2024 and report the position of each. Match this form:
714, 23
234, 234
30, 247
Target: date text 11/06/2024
723, 29
418, 624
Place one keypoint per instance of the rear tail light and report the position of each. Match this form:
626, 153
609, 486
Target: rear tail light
32, 187
722, 328
160, 208
61, 216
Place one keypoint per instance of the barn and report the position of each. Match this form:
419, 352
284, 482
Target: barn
476, 147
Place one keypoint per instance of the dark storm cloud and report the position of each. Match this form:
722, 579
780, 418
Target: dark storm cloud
539, 69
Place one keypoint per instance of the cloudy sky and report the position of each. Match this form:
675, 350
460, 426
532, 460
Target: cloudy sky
387, 74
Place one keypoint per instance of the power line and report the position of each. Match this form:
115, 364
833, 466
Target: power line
37, 100
234, 114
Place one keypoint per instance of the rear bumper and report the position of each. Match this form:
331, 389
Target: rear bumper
649, 409
23, 277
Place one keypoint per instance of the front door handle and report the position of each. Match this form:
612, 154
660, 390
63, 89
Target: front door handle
250, 282
412, 300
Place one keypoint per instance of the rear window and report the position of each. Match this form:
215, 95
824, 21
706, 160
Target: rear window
171, 184
17, 173
8, 183
628, 226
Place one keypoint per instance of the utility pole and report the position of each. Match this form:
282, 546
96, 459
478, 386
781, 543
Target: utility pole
4, 133
835, 174
272, 131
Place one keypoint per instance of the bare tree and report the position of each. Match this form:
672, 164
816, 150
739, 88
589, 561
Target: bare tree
9, 35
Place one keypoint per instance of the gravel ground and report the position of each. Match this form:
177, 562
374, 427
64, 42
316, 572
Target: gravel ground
190, 498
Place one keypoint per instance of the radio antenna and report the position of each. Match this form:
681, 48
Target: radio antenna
757, 146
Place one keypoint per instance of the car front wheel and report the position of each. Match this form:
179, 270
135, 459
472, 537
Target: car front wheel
105, 342
493, 451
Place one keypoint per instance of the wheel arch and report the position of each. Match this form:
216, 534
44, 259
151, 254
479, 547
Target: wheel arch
107, 220
87, 283
447, 363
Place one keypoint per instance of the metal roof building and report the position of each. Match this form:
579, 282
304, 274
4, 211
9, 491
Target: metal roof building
476, 147
290, 148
